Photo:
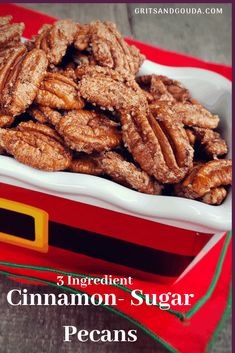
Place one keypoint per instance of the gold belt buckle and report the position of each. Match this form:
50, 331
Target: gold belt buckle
40, 243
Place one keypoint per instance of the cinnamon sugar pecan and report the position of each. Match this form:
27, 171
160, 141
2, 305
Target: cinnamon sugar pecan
37, 113
82, 38
44, 115
108, 47
21, 73
86, 165
194, 114
126, 173
215, 196
35, 148
110, 89
42, 128
163, 88
55, 39
211, 141
88, 131
204, 177
158, 142
10, 34
60, 92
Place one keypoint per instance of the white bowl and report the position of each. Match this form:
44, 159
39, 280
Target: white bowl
213, 91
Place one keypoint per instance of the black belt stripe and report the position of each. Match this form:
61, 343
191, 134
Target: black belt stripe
106, 248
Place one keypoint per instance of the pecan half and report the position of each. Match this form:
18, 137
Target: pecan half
42, 128
204, 177
126, 173
108, 47
215, 196
59, 92
110, 89
21, 73
10, 34
194, 114
86, 165
44, 115
35, 147
158, 142
88, 131
55, 39
211, 142
163, 88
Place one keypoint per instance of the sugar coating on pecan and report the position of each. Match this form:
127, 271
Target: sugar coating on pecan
37, 113
42, 128
211, 141
55, 39
196, 115
215, 196
204, 177
10, 34
86, 165
108, 47
59, 92
9, 58
21, 73
163, 88
6, 120
126, 173
110, 89
35, 149
82, 38
158, 142
89, 131
44, 115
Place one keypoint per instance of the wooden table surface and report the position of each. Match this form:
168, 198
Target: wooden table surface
39, 329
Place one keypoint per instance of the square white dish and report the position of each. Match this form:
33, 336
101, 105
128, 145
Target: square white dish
214, 92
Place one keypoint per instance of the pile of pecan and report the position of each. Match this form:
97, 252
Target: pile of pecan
70, 100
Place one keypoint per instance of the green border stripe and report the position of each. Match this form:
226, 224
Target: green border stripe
109, 308
214, 281
180, 315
